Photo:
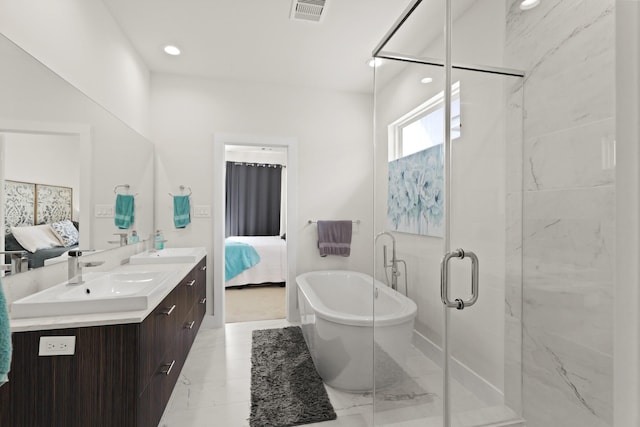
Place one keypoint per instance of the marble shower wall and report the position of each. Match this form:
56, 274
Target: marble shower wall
566, 48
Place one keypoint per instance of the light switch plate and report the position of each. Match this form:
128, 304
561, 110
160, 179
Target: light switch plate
57, 346
202, 211
104, 211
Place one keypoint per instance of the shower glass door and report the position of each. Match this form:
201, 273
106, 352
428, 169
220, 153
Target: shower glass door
409, 211
442, 186
483, 265
484, 220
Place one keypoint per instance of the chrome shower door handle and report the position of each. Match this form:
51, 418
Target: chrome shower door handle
459, 303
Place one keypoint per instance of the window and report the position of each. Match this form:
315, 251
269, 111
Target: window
422, 127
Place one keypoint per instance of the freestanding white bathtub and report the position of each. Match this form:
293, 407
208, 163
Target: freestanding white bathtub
337, 314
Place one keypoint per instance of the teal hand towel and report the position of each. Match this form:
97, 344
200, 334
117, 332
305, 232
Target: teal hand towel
181, 211
5, 340
124, 211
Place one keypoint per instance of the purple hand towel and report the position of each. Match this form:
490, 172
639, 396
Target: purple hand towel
334, 237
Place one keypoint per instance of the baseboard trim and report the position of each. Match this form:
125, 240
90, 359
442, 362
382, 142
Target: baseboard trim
473, 382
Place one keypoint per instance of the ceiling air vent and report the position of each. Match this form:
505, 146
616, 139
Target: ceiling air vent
307, 10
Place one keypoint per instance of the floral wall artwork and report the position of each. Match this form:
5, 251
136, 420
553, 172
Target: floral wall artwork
28, 203
54, 203
415, 202
19, 206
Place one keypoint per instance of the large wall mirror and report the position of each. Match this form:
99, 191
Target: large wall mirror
63, 158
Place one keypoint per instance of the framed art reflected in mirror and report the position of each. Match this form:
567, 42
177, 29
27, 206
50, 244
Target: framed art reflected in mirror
20, 208
38, 219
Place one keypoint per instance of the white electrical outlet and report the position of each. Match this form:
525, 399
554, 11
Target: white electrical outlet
57, 346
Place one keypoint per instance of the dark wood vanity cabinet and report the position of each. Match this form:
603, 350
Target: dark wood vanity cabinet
120, 375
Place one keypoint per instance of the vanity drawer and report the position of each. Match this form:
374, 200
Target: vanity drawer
201, 278
189, 330
201, 309
165, 324
154, 399
156, 336
184, 294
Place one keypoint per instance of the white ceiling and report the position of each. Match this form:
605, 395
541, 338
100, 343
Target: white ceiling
255, 39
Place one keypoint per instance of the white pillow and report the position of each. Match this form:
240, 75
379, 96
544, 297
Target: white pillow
66, 232
34, 237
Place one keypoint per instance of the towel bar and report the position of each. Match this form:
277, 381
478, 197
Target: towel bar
125, 186
182, 187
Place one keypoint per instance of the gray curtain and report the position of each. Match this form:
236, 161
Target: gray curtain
253, 199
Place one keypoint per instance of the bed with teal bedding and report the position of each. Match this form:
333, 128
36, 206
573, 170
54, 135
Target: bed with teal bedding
238, 257
255, 260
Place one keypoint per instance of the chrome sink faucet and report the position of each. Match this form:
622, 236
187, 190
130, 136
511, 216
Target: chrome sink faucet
19, 261
123, 239
75, 266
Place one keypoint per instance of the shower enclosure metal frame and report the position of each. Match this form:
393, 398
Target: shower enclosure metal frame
380, 53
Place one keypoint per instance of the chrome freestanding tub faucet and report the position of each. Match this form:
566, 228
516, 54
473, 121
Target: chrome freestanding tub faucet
395, 272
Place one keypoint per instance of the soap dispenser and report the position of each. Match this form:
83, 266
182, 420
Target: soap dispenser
134, 237
159, 240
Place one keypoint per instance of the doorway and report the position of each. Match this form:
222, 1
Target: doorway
277, 280
255, 232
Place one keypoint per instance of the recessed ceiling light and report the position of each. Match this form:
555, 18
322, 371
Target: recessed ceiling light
529, 4
171, 50
374, 62
426, 80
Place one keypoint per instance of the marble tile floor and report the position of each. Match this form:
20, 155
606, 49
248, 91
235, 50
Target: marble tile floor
214, 389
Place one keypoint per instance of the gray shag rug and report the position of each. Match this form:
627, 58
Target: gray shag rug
286, 389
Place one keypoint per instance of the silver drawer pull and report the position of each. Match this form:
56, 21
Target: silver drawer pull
203, 300
191, 283
166, 369
203, 268
190, 324
169, 310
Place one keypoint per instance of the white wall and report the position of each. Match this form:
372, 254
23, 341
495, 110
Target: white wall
44, 159
334, 135
80, 41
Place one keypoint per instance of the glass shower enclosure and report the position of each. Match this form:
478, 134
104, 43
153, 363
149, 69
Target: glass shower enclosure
448, 132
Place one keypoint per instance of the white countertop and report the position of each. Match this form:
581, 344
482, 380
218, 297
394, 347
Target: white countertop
115, 318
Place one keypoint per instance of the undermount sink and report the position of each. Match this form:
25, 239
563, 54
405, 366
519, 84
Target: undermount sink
100, 293
168, 256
